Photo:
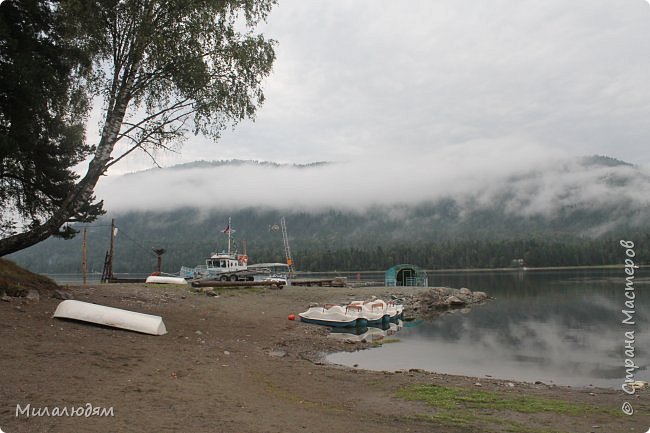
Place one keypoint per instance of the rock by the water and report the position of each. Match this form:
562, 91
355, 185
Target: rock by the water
440, 299
480, 296
61, 294
454, 301
277, 353
442, 291
33, 295
465, 291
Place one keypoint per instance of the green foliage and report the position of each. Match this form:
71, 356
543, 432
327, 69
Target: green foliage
43, 103
195, 65
164, 68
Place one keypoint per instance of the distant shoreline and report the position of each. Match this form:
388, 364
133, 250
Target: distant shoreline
530, 269
75, 278
449, 270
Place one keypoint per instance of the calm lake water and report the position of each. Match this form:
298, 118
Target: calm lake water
558, 327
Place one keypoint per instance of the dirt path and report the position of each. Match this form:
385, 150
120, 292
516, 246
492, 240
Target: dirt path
234, 363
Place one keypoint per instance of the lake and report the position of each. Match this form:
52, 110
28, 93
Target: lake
557, 327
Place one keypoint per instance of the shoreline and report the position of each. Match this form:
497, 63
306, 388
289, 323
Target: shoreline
452, 270
234, 363
334, 273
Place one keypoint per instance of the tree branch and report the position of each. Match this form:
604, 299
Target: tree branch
159, 129
178, 105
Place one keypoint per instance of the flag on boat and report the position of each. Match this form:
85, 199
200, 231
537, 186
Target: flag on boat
228, 229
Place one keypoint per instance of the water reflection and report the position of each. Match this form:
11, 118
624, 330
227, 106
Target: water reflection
562, 328
367, 334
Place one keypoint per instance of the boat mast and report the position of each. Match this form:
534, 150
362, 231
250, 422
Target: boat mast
229, 230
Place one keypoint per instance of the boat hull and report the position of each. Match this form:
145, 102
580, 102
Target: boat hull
352, 323
160, 279
357, 314
110, 316
379, 320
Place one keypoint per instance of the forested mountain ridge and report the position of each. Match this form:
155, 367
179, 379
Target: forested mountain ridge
445, 233
230, 163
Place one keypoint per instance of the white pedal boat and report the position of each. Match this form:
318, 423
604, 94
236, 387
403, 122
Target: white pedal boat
377, 311
358, 314
334, 315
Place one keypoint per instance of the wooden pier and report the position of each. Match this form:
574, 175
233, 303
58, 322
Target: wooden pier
320, 282
218, 283
125, 280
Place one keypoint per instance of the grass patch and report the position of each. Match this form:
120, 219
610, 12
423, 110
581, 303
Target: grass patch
491, 411
14, 279
450, 398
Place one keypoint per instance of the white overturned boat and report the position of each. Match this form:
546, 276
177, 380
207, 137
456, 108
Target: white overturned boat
358, 314
165, 279
109, 316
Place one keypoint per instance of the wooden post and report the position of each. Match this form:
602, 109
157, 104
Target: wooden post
159, 252
111, 251
83, 256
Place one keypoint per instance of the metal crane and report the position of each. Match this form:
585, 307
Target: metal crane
287, 250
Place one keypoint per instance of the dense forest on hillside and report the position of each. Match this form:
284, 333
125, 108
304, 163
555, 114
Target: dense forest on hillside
432, 236
587, 206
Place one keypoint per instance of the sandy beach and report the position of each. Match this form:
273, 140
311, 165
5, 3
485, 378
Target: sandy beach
234, 363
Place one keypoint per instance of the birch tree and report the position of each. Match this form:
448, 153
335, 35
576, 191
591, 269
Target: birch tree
165, 69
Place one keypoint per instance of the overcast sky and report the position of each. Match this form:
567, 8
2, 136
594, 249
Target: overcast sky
376, 78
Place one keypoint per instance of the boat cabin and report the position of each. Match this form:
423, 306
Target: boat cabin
226, 262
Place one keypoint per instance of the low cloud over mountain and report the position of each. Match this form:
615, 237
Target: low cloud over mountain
529, 183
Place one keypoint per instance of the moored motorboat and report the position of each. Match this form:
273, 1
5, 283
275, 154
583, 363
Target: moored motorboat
229, 265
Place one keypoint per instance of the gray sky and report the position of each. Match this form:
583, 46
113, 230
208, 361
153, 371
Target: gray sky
415, 101
378, 79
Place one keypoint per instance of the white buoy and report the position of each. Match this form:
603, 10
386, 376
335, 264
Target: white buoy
109, 316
